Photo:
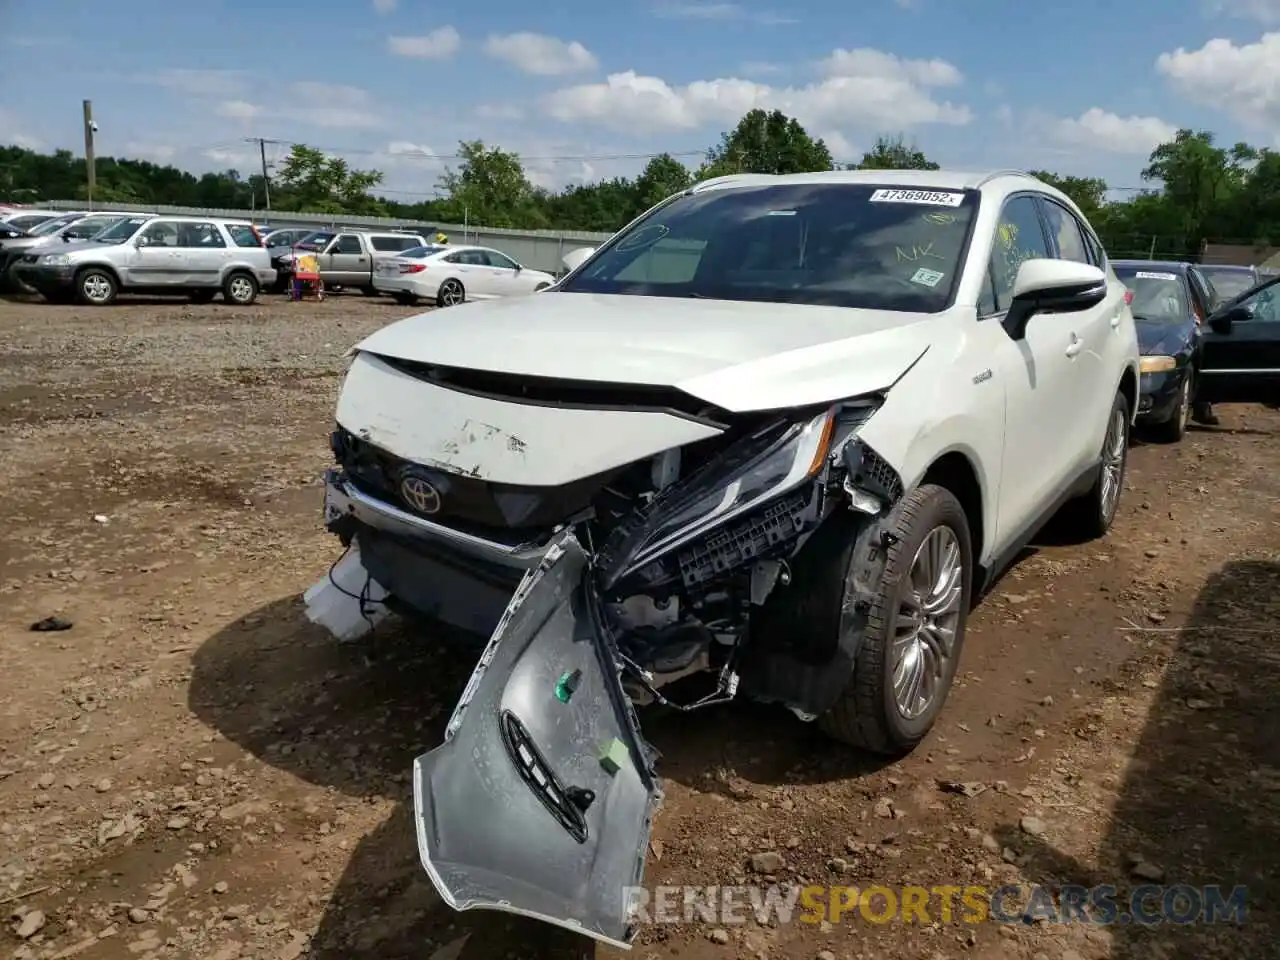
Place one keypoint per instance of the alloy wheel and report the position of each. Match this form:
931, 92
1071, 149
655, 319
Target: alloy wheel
1113, 452
96, 287
241, 290
925, 627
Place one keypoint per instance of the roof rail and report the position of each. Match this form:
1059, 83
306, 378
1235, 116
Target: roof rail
1003, 173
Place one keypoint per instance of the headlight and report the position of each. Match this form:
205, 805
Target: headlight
56, 260
1157, 364
759, 468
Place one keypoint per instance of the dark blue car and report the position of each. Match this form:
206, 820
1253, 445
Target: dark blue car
1169, 300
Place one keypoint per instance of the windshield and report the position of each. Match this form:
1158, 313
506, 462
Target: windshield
1228, 284
122, 231
89, 227
1157, 294
420, 253
315, 241
837, 244
54, 225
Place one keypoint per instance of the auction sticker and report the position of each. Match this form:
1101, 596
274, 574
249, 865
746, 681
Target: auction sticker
927, 277
1155, 276
931, 198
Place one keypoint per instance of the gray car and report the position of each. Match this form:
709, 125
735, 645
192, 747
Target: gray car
189, 256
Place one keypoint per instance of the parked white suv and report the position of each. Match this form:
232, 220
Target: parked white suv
778, 433
191, 256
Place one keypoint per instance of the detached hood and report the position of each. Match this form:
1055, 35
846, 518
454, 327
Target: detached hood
738, 356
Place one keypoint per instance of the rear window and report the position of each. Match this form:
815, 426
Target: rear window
1157, 294
317, 240
393, 244
244, 235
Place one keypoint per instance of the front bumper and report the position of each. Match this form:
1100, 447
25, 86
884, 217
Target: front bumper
1158, 395
44, 277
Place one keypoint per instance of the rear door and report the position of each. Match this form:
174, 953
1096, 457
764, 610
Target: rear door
204, 253
1242, 364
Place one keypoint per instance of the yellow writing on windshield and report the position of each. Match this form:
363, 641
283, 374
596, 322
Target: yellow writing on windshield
918, 253
941, 218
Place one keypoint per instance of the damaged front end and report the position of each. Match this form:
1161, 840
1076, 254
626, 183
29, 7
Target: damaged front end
541, 798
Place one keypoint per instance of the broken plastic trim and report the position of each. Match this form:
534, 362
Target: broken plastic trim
480, 810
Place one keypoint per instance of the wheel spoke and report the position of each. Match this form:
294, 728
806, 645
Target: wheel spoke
924, 629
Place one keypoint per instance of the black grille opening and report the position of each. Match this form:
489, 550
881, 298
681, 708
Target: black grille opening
550, 391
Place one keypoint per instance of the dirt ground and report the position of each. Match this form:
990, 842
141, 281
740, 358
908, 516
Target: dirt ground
193, 770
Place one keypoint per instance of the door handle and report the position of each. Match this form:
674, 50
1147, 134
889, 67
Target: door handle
1075, 347
1115, 319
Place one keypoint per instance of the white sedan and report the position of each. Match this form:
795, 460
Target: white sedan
449, 275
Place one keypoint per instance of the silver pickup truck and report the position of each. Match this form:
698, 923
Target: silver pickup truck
346, 258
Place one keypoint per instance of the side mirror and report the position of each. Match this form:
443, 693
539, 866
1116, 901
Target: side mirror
1052, 286
575, 258
1223, 322
519, 267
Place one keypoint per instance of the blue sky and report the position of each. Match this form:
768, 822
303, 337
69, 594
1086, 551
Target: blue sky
1085, 88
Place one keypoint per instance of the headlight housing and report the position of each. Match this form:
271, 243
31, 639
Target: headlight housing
761, 468
1157, 364
56, 260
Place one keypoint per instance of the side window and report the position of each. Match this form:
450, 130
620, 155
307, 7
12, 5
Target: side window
348, 243
1065, 231
243, 236
1019, 238
474, 258
391, 244
1263, 306
1200, 297
162, 233
454, 258
1097, 256
200, 235
497, 259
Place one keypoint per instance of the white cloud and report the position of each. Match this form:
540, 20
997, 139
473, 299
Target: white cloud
861, 88
1243, 81
866, 62
440, 44
1103, 130
12, 132
719, 12
540, 55
232, 158
1263, 11
761, 68
332, 105
239, 110
200, 83
842, 151
384, 6
155, 152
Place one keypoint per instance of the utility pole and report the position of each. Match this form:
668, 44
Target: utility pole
90, 164
266, 179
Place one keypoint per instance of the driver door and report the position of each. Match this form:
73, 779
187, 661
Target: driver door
156, 260
506, 280
1240, 362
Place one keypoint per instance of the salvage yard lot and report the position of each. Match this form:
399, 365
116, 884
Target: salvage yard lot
192, 770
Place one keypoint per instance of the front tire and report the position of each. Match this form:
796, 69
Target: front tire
914, 631
1092, 514
96, 287
1175, 428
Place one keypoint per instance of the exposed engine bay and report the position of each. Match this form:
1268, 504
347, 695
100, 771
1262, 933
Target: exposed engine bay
683, 544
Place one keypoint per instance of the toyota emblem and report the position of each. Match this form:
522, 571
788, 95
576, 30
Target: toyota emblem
417, 491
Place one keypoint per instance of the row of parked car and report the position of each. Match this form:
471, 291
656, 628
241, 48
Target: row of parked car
92, 257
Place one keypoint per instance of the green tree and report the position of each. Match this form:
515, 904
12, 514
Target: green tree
490, 188
313, 182
765, 142
1200, 181
662, 177
894, 154
1089, 193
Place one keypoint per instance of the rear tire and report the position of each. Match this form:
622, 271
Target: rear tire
1091, 516
240, 288
96, 287
451, 293
914, 634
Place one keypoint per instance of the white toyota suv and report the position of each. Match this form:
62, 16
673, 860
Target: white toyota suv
771, 439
